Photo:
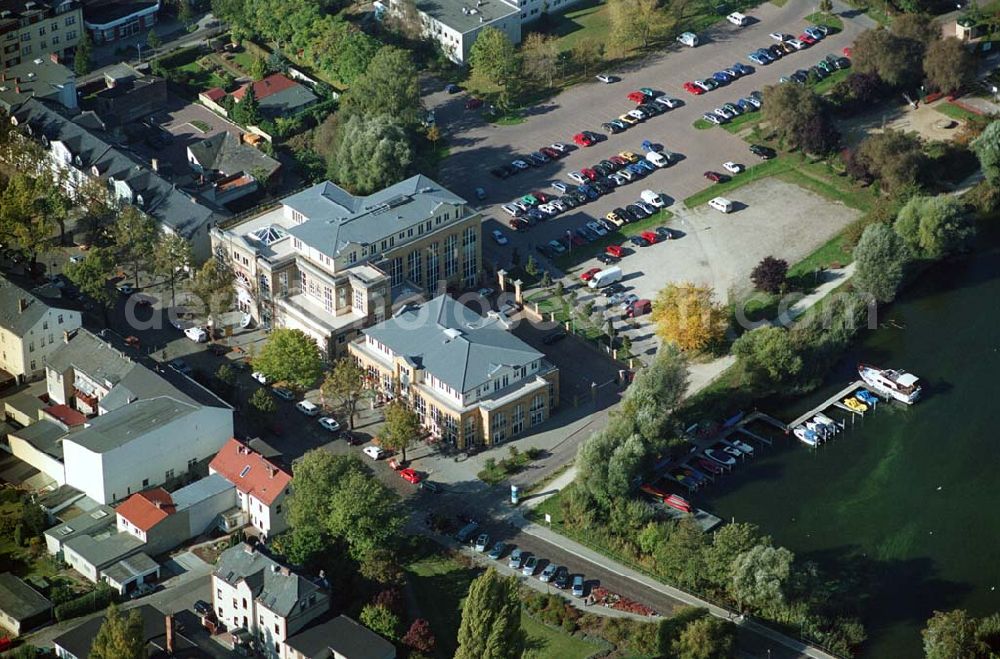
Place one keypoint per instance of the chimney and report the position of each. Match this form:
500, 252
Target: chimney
22, 304
17, 89
168, 625
285, 572
158, 504
154, 163
66, 336
54, 57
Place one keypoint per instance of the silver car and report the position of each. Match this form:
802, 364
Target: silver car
515, 559
530, 566
548, 573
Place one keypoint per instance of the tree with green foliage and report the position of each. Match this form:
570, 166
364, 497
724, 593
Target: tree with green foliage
768, 354
172, 257
952, 635
346, 383
402, 427
949, 65
135, 237
893, 157
987, 149
25, 221
494, 63
185, 13
380, 620
262, 403
91, 275
880, 262
707, 637
546, 280
655, 393
373, 153
681, 556
258, 68
587, 53
799, 118
213, 285
889, 56
247, 110
759, 577
81, 58
635, 23
95, 200
387, 87
530, 266
934, 227
727, 543
491, 619
540, 58
120, 636
364, 514
290, 355
153, 41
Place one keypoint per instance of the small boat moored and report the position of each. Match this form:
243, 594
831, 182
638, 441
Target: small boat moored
806, 436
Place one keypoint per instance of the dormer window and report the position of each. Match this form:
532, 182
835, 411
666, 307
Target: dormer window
94, 171
77, 161
139, 201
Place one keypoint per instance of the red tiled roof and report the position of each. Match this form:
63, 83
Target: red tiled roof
144, 510
250, 471
215, 94
272, 84
66, 414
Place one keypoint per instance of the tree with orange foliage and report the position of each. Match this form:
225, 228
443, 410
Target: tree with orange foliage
686, 315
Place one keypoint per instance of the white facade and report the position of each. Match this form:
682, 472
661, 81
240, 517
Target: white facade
40, 460
24, 356
150, 459
268, 519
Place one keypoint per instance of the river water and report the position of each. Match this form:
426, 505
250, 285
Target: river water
908, 497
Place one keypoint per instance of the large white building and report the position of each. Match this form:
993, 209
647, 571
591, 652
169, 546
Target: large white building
254, 592
30, 330
455, 24
117, 427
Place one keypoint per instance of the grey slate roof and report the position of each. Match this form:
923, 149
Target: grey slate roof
44, 436
131, 567
88, 522
19, 600
43, 79
337, 218
109, 431
275, 591
225, 153
452, 342
19, 322
166, 204
78, 640
200, 490
344, 636
90, 354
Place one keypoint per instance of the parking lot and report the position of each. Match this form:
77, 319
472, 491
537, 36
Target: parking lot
477, 146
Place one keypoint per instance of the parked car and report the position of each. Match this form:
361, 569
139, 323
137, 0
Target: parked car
578, 585
430, 486
467, 532
561, 578
307, 408
410, 476
196, 334
548, 573
589, 274
373, 452
515, 559
530, 567
329, 423
732, 167
497, 550
715, 177
606, 79
181, 366
482, 542
283, 393
498, 237
762, 152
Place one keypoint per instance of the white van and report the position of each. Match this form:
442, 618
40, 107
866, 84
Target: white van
196, 334
688, 39
652, 198
657, 159
737, 19
605, 277
307, 408
721, 204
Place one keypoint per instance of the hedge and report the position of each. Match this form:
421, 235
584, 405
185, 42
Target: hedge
95, 600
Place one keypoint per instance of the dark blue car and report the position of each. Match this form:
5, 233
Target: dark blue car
722, 77
637, 170
743, 69
590, 192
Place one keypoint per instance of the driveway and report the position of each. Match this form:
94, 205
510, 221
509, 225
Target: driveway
477, 146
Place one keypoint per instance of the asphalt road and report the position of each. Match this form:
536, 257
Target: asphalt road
477, 146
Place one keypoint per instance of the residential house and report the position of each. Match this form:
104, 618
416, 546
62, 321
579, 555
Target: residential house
30, 330
254, 592
125, 95
32, 29
22, 608
262, 486
76, 153
278, 96
471, 381
329, 263
231, 168
111, 20
162, 635
142, 429
338, 638
36, 78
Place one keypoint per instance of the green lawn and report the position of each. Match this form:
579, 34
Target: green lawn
546, 642
588, 21
955, 112
831, 21
440, 584
827, 83
702, 124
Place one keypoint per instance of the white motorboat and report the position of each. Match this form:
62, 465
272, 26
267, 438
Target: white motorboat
742, 446
897, 384
826, 423
822, 418
806, 436
818, 428
720, 456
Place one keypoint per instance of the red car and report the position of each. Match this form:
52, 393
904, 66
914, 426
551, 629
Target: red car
847, 52
651, 236
715, 177
637, 97
806, 39
692, 88
583, 139
551, 153
589, 173
589, 274
615, 251
517, 224
618, 160
410, 476
542, 197
473, 103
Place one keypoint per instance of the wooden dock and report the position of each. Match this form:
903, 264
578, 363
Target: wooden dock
832, 401
706, 520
